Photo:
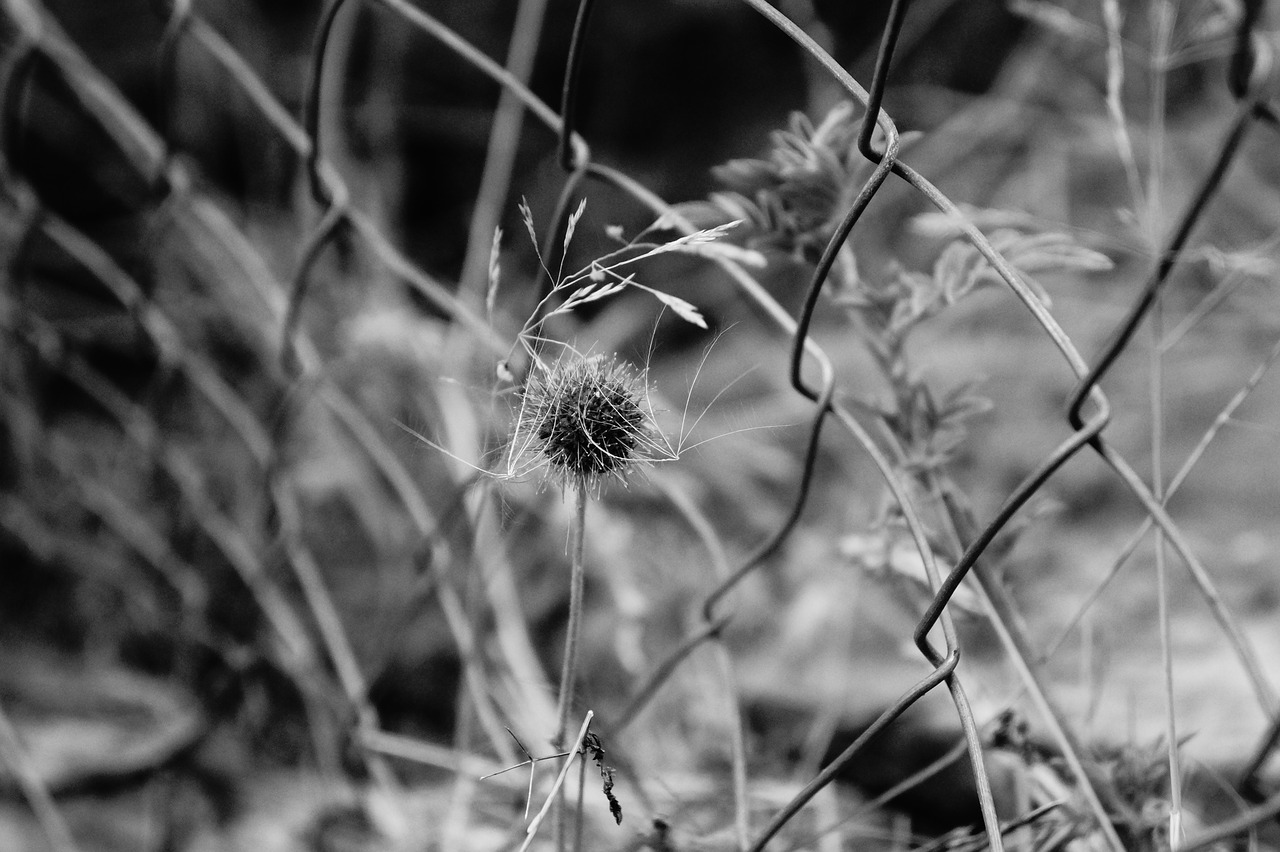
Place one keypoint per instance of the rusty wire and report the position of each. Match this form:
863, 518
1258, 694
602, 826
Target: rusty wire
329, 191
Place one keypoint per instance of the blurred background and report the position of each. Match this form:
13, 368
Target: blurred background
244, 607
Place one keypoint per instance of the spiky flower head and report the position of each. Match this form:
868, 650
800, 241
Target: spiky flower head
584, 420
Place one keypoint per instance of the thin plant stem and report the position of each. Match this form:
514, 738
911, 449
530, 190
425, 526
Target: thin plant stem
1162, 575
569, 92
737, 748
1227, 621
1162, 32
569, 671
1223, 289
500, 157
1162, 13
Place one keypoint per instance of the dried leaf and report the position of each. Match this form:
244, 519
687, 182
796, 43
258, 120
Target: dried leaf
595, 747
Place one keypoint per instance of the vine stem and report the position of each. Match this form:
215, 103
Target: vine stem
569, 671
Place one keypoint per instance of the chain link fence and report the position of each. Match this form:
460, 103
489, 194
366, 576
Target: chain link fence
212, 490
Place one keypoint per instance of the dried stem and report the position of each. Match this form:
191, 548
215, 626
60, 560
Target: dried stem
569, 672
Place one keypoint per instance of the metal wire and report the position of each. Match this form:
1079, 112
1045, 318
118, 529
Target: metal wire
573, 155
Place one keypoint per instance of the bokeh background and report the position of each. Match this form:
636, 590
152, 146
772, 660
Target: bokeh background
225, 560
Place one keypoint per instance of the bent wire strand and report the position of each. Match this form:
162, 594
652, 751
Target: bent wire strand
331, 195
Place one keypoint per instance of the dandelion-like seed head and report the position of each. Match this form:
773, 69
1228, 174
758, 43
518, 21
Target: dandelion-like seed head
584, 420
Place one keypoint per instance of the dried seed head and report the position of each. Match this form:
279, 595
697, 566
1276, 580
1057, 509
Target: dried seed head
584, 420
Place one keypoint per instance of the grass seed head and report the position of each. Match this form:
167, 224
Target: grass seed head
585, 420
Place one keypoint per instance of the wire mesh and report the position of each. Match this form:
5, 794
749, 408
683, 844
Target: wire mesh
256, 541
